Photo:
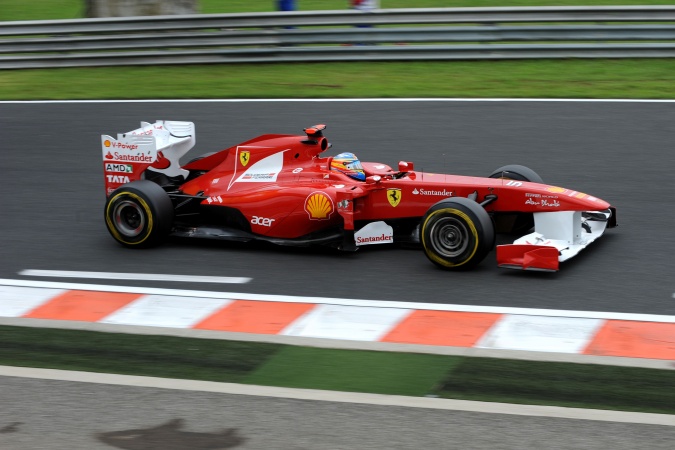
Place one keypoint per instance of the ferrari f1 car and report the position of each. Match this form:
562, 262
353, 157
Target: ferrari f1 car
281, 189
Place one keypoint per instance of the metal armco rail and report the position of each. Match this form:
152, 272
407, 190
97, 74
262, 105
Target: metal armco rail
436, 34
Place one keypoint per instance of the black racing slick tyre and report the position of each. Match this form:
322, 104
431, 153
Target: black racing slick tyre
197, 158
139, 214
515, 223
197, 173
457, 234
517, 172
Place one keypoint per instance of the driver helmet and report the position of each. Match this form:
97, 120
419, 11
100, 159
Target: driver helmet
348, 164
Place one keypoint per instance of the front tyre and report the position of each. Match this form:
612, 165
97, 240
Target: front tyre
139, 214
457, 234
516, 223
516, 172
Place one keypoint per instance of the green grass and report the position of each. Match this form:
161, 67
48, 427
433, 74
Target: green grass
483, 379
639, 78
74, 9
169, 357
562, 384
354, 371
513, 79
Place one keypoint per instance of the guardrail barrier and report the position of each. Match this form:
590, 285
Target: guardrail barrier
313, 36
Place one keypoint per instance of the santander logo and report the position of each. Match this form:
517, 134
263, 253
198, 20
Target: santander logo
162, 162
383, 238
374, 233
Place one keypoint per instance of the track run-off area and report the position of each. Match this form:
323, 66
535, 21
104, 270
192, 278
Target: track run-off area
51, 219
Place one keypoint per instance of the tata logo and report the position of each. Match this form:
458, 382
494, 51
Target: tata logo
244, 157
394, 196
121, 168
117, 178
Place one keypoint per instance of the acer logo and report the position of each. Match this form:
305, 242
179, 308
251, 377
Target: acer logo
262, 221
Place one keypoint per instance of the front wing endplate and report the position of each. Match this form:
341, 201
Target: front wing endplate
528, 257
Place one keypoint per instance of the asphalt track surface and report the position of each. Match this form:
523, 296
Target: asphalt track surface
49, 414
51, 207
51, 217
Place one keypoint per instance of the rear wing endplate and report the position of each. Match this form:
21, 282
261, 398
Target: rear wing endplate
154, 146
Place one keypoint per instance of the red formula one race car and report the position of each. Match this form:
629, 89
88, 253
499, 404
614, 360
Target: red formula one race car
280, 189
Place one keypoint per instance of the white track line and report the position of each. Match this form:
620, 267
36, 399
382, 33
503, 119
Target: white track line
340, 301
133, 276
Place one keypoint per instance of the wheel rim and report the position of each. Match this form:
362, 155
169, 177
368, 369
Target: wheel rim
449, 237
129, 218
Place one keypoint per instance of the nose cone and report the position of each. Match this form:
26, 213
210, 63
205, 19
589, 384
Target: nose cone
570, 199
535, 197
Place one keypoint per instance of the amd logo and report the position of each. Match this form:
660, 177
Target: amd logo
123, 168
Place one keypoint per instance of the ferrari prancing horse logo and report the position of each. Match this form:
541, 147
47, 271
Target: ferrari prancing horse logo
244, 157
394, 196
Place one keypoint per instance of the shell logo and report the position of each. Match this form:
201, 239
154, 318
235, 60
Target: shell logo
319, 206
556, 190
106, 143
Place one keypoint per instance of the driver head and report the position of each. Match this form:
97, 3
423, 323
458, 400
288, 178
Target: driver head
348, 164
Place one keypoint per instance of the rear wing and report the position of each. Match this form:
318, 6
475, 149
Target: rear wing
154, 146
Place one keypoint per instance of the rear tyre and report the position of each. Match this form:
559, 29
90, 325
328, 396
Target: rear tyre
205, 155
457, 234
197, 173
516, 223
139, 214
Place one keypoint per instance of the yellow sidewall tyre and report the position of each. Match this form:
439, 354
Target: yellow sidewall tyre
457, 234
139, 214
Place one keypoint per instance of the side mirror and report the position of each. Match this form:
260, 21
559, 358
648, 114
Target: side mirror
373, 179
405, 166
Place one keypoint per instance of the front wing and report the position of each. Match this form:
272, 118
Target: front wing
557, 237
